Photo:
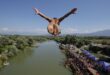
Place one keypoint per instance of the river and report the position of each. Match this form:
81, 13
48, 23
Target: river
47, 59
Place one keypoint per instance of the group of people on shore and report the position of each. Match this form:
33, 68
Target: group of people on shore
79, 67
80, 64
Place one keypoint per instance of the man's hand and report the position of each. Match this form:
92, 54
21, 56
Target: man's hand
36, 10
73, 10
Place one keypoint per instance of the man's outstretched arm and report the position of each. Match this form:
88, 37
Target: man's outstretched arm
42, 15
69, 13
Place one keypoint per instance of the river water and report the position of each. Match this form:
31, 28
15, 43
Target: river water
47, 59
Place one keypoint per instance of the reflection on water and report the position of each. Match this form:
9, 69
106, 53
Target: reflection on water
44, 60
21, 57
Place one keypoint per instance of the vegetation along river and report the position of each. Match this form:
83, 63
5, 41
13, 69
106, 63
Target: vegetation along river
47, 59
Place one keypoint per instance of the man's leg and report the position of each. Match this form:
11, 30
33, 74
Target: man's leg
56, 29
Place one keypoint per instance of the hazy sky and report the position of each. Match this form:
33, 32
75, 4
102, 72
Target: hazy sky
18, 15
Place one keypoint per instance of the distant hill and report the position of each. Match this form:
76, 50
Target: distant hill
100, 33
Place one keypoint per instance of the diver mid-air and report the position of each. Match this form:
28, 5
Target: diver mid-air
53, 27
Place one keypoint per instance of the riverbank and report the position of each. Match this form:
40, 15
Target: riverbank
79, 63
11, 45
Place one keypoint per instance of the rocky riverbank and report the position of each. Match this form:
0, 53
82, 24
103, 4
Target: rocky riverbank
79, 63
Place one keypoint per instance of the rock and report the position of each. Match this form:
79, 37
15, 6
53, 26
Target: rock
6, 63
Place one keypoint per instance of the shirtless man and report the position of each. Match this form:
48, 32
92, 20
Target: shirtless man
53, 27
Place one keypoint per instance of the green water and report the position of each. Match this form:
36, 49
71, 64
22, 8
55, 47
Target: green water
47, 59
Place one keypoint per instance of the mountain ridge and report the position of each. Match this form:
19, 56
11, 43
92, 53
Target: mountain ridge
97, 33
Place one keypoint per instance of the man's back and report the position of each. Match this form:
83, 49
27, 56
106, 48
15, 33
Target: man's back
55, 21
